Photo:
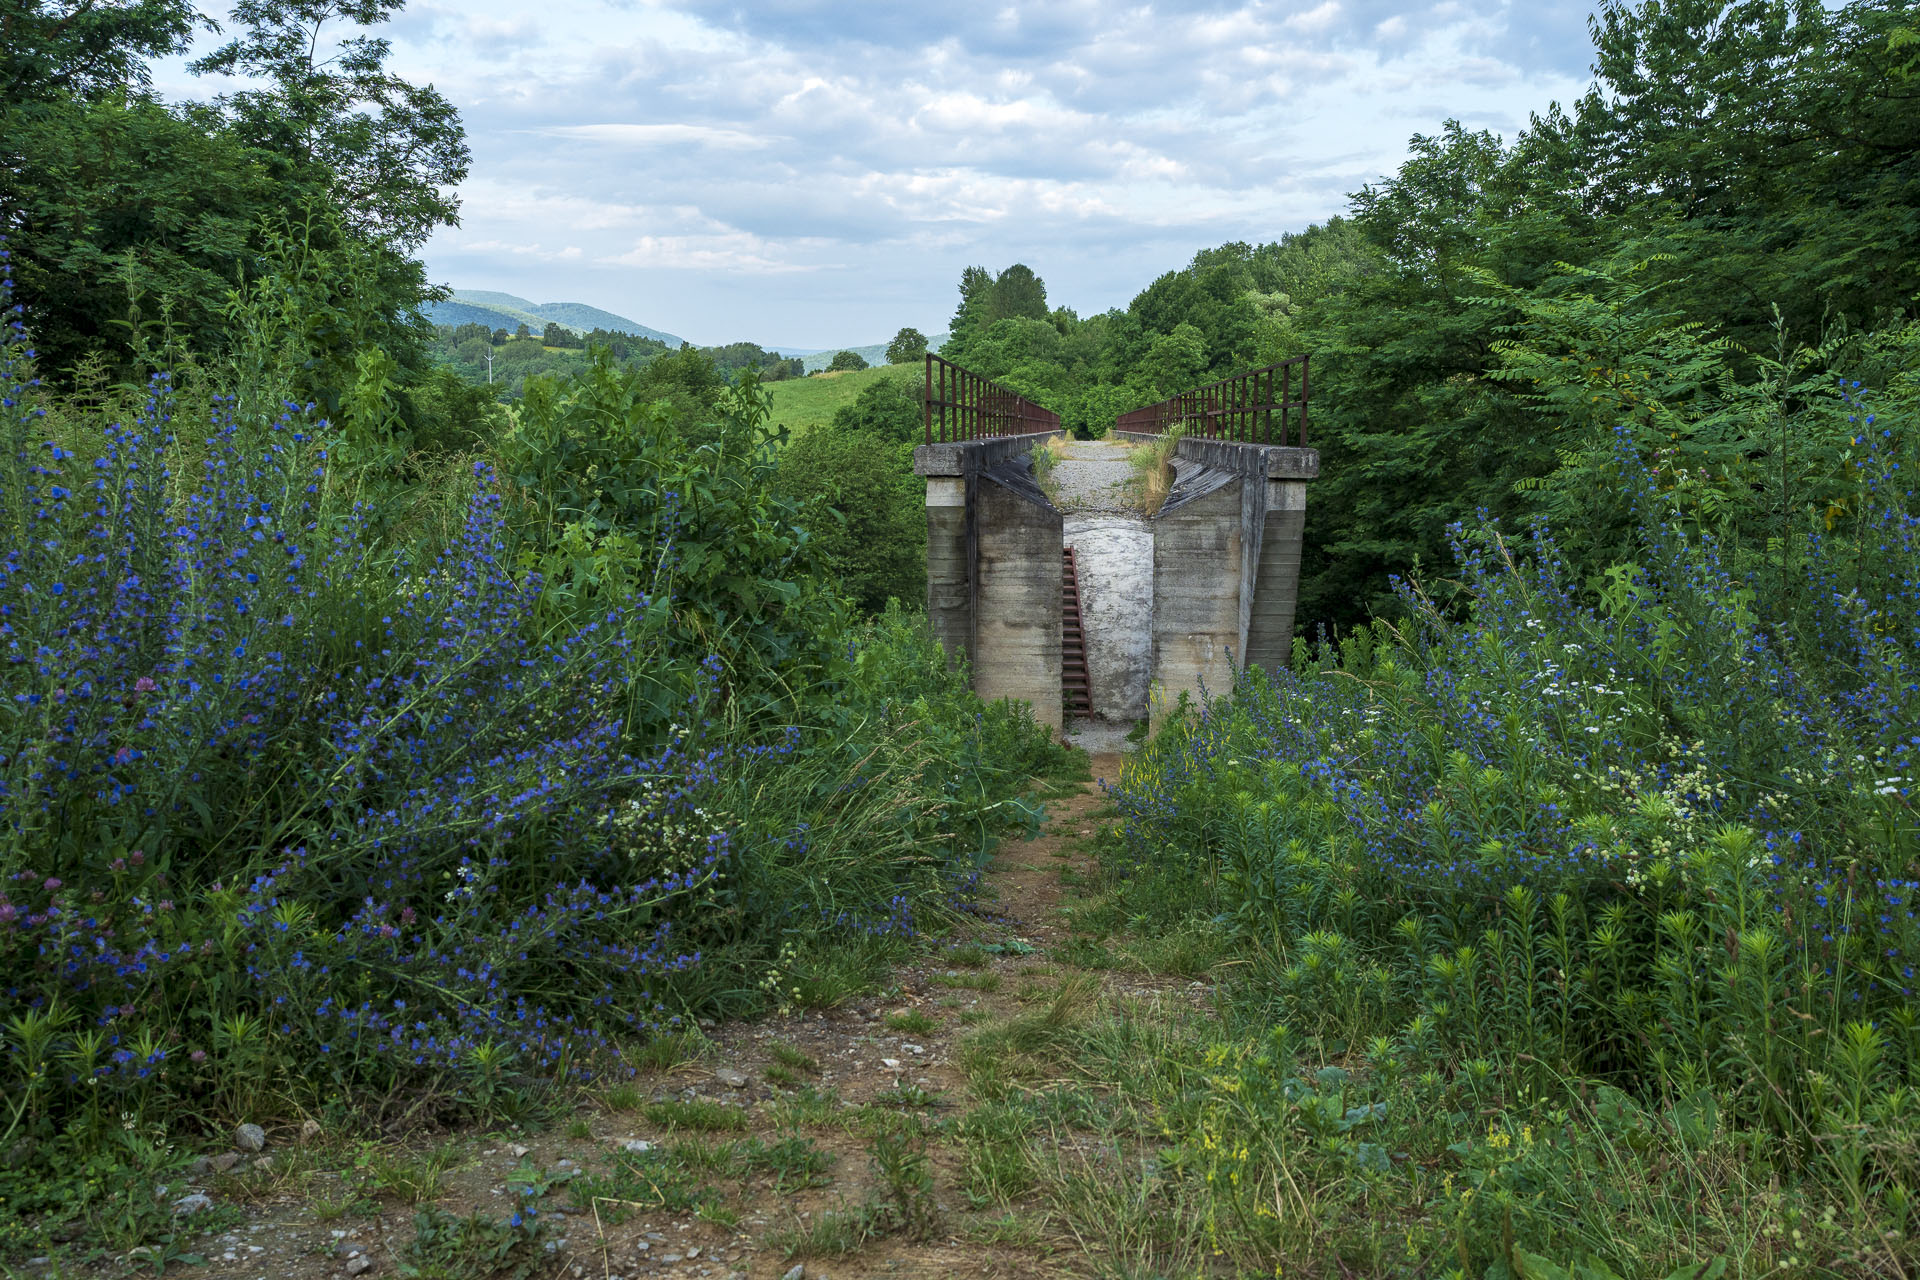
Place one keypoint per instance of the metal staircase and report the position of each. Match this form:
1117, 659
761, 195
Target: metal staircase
1075, 689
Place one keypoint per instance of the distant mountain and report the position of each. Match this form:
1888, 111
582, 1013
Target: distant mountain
504, 310
875, 354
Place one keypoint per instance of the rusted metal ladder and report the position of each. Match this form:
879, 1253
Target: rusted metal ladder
1076, 690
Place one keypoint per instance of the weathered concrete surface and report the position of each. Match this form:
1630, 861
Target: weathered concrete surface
1099, 737
1198, 548
1017, 622
993, 568
1114, 555
1227, 564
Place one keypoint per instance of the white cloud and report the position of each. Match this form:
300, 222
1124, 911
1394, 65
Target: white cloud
659, 135
821, 170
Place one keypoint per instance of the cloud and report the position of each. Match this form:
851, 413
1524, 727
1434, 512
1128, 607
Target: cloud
659, 135
821, 170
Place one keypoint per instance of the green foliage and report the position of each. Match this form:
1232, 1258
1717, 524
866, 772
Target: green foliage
868, 513
908, 347
1614, 874
846, 362
382, 152
131, 219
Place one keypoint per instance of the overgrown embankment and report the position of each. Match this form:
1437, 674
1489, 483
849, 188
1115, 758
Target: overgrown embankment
333, 794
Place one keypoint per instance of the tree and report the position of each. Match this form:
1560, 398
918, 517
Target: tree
1018, 294
54, 50
846, 361
975, 284
387, 152
907, 346
856, 474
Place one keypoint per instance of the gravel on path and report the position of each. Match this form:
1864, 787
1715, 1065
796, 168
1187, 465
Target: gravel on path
1092, 476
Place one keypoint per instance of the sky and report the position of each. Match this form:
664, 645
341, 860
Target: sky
816, 173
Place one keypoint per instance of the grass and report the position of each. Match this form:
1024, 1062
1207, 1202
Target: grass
409, 1177
1153, 471
809, 1108
696, 1113
801, 404
969, 981
912, 1021
794, 1059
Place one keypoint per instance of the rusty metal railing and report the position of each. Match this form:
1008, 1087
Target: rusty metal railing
960, 405
1240, 408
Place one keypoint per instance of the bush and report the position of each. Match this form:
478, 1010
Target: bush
303, 805
1662, 836
846, 361
869, 516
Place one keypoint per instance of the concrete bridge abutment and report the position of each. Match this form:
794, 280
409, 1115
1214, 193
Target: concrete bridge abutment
1225, 577
993, 568
1226, 564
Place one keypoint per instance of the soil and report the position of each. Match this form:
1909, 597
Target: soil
292, 1230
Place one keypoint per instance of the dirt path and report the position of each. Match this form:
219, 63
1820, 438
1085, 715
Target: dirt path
829, 1140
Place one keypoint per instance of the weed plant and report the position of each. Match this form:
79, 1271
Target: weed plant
1603, 891
316, 797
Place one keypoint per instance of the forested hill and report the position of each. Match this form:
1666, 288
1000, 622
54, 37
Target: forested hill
504, 310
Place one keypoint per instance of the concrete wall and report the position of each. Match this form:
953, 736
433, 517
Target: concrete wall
1226, 563
1225, 554
993, 568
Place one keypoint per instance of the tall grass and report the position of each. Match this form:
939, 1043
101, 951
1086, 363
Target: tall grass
1152, 464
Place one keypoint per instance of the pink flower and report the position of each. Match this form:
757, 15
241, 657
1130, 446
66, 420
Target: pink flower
51, 884
143, 685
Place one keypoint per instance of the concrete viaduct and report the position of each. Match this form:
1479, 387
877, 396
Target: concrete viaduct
1225, 545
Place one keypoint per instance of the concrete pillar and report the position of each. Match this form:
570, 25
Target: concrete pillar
993, 568
1017, 614
1198, 546
949, 565
1277, 580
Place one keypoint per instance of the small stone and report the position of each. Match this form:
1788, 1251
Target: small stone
186, 1206
798, 1272
694, 1252
309, 1130
359, 1264
225, 1161
913, 1048
519, 1151
636, 1146
669, 1257
200, 1167
731, 1078
891, 1064
263, 1164
565, 1164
